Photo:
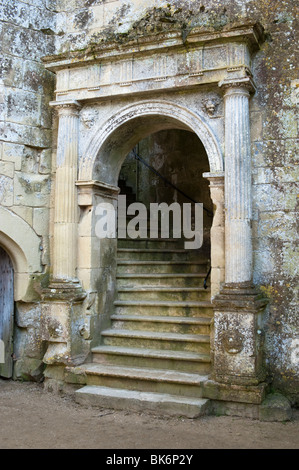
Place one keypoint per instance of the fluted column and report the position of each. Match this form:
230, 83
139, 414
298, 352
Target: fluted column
66, 208
62, 299
238, 206
238, 308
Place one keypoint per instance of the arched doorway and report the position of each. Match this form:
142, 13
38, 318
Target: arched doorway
141, 336
163, 296
99, 168
6, 313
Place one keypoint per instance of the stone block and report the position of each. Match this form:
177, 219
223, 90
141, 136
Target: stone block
291, 152
31, 190
275, 407
256, 129
7, 169
37, 79
270, 197
41, 220
276, 175
290, 259
30, 160
280, 225
13, 153
268, 153
6, 191
42, 20
46, 113
280, 125
11, 71
27, 315
23, 107
25, 135
28, 369
26, 43
264, 259
16, 13
26, 213
234, 393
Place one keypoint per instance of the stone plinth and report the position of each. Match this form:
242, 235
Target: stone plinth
238, 335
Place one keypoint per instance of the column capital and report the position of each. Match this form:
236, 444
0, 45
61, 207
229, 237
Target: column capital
237, 85
66, 106
216, 179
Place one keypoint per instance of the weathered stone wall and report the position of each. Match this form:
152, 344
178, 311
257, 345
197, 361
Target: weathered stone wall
274, 134
27, 34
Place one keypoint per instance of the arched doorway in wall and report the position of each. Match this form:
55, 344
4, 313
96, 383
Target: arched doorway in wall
154, 316
181, 146
6, 313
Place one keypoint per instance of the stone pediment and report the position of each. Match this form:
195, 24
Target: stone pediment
155, 62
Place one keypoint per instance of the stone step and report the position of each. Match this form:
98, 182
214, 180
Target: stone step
163, 293
151, 254
156, 340
160, 267
166, 308
182, 325
153, 358
151, 243
143, 379
156, 403
163, 280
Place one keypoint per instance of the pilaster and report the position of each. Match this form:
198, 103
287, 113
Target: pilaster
217, 231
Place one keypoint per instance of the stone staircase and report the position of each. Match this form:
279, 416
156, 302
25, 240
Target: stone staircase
156, 354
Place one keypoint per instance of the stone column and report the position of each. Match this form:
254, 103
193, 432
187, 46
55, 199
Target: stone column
238, 245
238, 308
63, 300
66, 207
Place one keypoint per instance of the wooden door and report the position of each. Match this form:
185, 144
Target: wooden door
6, 313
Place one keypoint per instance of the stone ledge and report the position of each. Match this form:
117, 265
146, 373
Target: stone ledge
253, 394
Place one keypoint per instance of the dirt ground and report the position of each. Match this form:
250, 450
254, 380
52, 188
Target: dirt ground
31, 418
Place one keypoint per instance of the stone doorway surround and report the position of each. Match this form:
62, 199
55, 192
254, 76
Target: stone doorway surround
107, 98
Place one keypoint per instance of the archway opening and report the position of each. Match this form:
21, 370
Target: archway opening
161, 303
167, 167
196, 150
6, 313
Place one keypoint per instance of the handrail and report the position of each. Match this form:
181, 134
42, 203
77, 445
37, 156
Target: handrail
206, 278
137, 157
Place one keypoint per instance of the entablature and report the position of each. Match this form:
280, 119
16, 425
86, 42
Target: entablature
155, 63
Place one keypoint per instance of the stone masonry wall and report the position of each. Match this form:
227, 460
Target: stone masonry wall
26, 29
274, 134
25, 89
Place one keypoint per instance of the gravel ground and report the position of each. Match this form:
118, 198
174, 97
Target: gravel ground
31, 418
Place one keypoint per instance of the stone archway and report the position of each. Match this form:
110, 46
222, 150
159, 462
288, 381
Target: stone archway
83, 268
171, 113
23, 246
110, 143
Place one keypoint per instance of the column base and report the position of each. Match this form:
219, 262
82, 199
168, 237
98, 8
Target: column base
238, 335
62, 312
64, 290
